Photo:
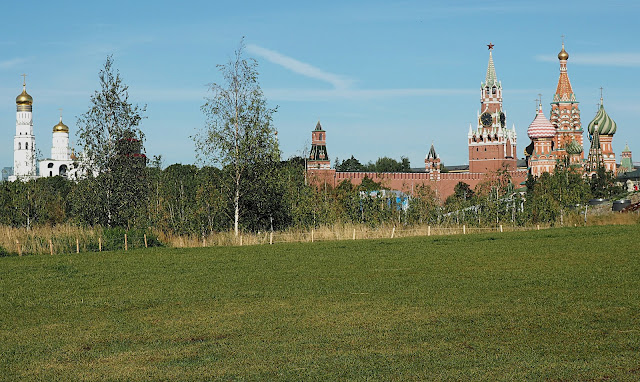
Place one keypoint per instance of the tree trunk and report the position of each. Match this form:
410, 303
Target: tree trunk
236, 208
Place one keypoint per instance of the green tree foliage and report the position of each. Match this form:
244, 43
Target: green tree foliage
423, 206
239, 134
110, 118
350, 165
112, 141
42, 201
551, 196
459, 204
383, 164
386, 164
603, 184
495, 199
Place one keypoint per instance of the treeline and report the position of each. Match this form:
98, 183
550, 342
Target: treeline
551, 198
185, 199
382, 164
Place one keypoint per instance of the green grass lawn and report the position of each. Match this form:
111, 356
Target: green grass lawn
560, 304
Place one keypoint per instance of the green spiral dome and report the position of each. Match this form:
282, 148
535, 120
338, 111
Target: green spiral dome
573, 147
602, 122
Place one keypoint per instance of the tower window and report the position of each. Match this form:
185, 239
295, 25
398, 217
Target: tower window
320, 136
19, 146
26, 146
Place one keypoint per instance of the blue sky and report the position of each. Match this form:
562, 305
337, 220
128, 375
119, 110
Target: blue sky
384, 78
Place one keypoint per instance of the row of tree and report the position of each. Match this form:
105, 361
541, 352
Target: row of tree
383, 164
186, 199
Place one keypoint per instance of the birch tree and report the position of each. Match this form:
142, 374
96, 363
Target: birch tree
238, 133
105, 132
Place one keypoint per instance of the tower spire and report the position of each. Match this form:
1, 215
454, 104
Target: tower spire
601, 99
491, 78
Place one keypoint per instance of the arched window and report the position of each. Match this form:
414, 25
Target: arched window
26, 146
494, 90
19, 146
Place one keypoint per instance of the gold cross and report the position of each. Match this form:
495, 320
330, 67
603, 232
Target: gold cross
24, 79
60, 114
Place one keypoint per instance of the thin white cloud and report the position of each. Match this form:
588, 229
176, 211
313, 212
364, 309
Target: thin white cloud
307, 70
598, 59
357, 94
8, 64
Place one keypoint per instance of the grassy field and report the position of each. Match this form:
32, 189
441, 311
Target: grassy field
558, 304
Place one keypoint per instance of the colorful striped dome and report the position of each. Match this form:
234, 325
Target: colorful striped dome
541, 127
602, 122
573, 147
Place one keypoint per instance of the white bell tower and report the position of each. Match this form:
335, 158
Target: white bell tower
24, 142
60, 146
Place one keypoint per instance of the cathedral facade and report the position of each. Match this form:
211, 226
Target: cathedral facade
559, 139
61, 163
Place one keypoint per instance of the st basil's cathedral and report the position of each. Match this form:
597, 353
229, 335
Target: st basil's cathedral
558, 140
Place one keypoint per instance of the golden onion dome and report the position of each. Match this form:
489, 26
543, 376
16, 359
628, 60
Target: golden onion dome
24, 98
60, 127
563, 55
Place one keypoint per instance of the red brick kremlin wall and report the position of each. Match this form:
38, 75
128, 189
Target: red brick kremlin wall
442, 183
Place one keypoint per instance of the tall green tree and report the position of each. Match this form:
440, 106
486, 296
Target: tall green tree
112, 140
239, 133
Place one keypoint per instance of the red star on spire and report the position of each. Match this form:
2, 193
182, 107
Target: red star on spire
490, 45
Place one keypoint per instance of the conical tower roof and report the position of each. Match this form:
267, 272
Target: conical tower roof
432, 153
564, 91
491, 79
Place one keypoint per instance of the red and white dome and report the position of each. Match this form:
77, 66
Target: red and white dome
541, 127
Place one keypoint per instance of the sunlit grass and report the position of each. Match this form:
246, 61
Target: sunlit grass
557, 304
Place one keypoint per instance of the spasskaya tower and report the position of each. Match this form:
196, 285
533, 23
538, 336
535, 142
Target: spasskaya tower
492, 145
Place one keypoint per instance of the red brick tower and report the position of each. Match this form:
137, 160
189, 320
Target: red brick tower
565, 114
432, 164
318, 157
492, 145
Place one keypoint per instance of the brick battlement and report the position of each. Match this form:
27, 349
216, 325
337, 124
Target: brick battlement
442, 183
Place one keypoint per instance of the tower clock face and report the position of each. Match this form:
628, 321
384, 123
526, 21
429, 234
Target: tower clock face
485, 119
503, 119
